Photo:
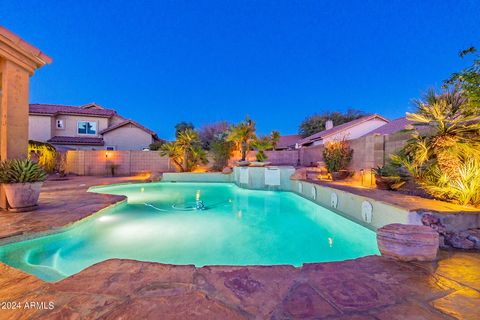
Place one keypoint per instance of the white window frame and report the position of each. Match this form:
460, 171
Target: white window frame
87, 134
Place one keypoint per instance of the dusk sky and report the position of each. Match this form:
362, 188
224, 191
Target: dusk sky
162, 62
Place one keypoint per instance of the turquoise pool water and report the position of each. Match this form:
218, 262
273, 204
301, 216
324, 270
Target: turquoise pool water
160, 223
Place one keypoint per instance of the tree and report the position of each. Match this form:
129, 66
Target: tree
316, 123
242, 135
156, 145
186, 152
221, 150
442, 155
208, 133
182, 126
274, 138
262, 143
468, 79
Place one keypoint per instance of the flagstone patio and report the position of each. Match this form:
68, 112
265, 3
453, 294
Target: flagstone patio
372, 287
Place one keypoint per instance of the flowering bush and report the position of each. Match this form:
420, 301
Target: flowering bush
337, 155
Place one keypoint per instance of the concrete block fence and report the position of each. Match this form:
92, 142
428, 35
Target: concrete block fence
368, 152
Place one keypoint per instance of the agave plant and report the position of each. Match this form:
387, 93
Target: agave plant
21, 171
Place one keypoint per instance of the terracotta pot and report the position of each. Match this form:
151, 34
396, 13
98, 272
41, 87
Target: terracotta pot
22, 196
340, 175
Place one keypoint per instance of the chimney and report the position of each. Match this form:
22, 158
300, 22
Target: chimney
328, 124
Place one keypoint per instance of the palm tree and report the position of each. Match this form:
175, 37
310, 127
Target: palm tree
262, 144
172, 150
274, 138
449, 133
186, 152
243, 134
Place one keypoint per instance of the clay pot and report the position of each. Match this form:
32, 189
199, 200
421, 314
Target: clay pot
408, 242
22, 196
340, 175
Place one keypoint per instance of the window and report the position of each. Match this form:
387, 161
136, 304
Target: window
110, 148
87, 127
60, 124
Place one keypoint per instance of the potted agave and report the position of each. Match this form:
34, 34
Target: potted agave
389, 178
21, 180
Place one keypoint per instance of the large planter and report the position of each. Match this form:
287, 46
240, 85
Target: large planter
22, 196
243, 163
408, 242
259, 163
340, 175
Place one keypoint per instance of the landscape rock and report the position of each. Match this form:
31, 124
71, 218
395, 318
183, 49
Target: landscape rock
408, 242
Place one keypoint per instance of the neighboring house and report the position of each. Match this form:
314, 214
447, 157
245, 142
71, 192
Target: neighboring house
87, 127
349, 131
393, 126
288, 142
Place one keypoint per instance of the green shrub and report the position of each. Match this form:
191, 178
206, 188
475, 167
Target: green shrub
21, 171
337, 155
221, 151
44, 152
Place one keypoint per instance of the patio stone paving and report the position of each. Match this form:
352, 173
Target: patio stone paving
367, 288
372, 287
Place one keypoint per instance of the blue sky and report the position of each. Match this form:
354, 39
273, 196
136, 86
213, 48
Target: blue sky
161, 62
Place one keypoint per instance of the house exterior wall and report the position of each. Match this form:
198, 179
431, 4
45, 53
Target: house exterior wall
39, 128
70, 125
128, 137
354, 132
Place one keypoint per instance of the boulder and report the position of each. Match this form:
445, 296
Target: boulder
408, 242
227, 170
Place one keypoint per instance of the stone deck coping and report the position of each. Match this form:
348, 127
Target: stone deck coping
61, 204
409, 202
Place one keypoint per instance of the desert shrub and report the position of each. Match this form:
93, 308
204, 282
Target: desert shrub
155, 146
221, 150
261, 144
337, 155
44, 153
185, 152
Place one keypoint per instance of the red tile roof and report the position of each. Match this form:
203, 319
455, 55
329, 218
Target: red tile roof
393, 126
129, 121
91, 141
336, 129
288, 141
55, 109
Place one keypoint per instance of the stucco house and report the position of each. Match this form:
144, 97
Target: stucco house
349, 131
87, 127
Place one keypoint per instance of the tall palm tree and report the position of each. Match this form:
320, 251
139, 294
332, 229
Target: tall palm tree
242, 134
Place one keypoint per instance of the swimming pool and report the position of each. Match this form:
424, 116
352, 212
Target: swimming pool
196, 223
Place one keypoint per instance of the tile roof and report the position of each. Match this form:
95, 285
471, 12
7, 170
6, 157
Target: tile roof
393, 126
336, 129
288, 141
55, 109
128, 121
92, 141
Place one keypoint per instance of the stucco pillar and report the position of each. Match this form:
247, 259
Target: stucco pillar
18, 61
13, 111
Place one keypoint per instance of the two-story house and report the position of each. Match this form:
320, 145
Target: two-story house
87, 127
